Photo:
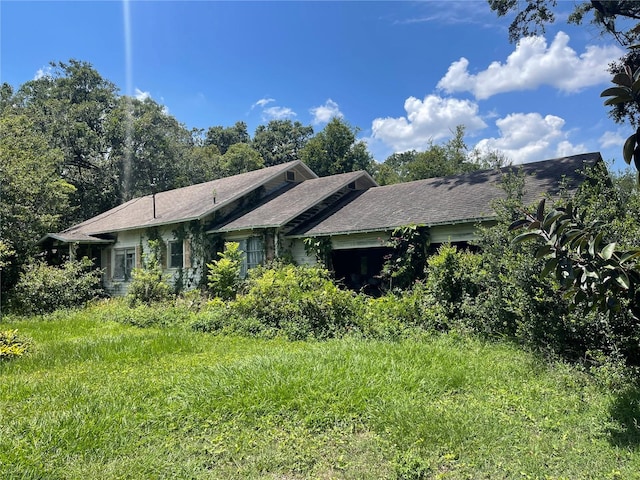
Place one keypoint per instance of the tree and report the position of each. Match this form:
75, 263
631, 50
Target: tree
241, 158
223, 137
536, 14
70, 106
33, 197
450, 158
281, 141
149, 149
336, 150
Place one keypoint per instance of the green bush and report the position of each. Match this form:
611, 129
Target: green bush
224, 273
43, 288
158, 314
453, 278
148, 284
399, 315
299, 301
12, 345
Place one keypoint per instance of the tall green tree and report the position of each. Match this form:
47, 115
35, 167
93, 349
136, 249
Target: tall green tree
280, 141
241, 158
33, 197
438, 160
336, 150
70, 105
224, 137
150, 149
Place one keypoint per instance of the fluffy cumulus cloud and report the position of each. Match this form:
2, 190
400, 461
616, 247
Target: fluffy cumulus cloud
324, 113
532, 64
430, 119
528, 137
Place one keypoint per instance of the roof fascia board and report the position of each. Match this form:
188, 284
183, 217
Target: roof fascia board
391, 227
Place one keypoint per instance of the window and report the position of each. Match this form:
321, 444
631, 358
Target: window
291, 176
125, 260
253, 249
176, 254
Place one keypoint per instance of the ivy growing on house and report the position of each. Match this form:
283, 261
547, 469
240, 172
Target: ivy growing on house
406, 263
320, 248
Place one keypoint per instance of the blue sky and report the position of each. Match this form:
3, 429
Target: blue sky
404, 73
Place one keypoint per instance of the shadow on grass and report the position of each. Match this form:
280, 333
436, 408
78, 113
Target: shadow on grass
625, 413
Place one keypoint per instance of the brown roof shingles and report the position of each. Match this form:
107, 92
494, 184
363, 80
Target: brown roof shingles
285, 207
182, 204
445, 200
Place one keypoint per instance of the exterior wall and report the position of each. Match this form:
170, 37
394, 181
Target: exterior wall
189, 275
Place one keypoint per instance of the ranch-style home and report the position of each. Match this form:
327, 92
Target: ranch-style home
271, 211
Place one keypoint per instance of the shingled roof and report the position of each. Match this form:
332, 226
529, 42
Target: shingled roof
445, 200
285, 207
179, 205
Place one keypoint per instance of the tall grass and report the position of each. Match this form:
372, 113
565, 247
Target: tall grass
99, 399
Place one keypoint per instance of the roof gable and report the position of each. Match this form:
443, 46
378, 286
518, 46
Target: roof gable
288, 205
187, 203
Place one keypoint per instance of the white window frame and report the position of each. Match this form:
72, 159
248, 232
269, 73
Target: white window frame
253, 253
122, 268
173, 256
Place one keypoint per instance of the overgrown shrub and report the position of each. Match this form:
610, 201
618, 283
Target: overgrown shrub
399, 315
13, 345
299, 301
453, 278
148, 284
43, 288
157, 314
224, 273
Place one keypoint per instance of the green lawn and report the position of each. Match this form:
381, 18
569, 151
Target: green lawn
103, 400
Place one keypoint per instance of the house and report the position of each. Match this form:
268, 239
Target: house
271, 211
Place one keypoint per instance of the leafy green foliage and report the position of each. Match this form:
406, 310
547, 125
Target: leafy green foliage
148, 284
280, 141
13, 345
336, 150
34, 198
591, 270
406, 263
299, 301
320, 248
453, 278
224, 273
42, 288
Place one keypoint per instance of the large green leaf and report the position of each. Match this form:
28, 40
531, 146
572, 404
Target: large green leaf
629, 147
618, 100
616, 92
519, 224
622, 79
607, 251
527, 236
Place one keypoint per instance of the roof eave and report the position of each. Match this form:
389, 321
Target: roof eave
392, 227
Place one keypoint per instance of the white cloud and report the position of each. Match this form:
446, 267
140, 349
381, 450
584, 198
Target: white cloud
533, 64
142, 96
528, 137
43, 72
611, 139
277, 113
262, 102
427, 120
324, 113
